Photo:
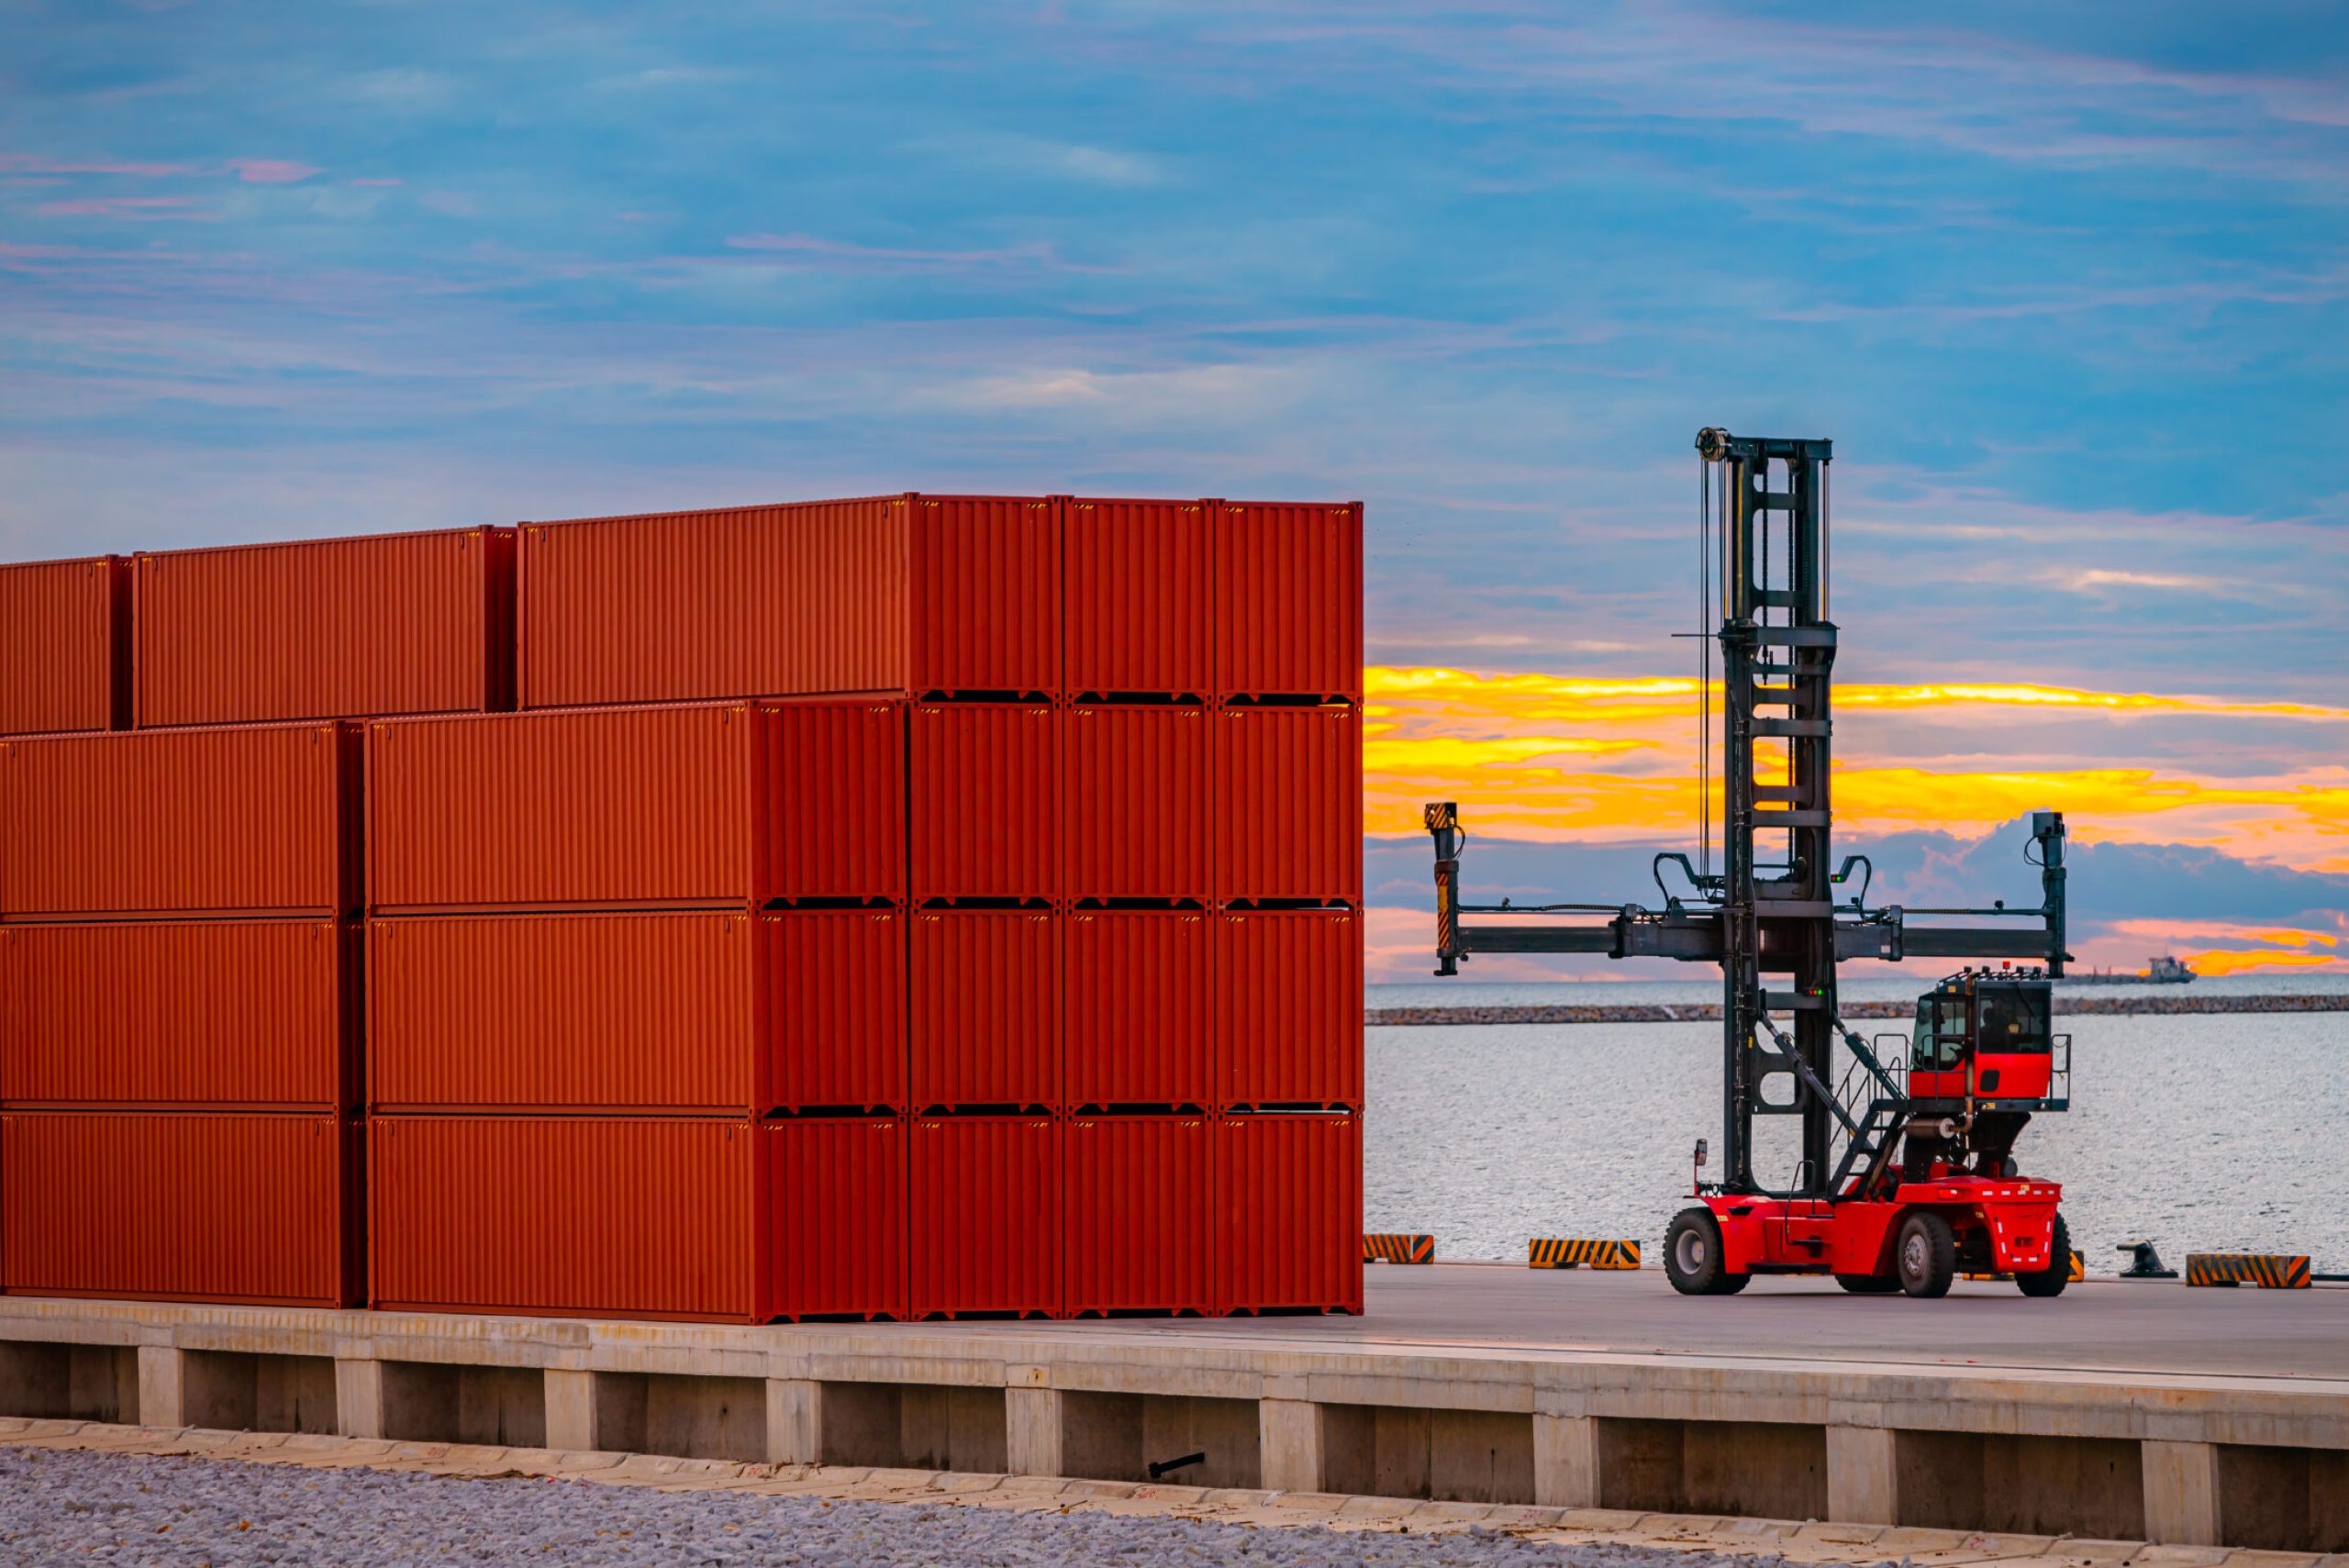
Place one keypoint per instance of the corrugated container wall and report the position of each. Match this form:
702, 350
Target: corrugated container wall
986, 1011
1137, 1196
617, 808
1134, 802
604, 1013
1288, 1004
1288, 1211
250, 821
986, 790
326, 629
1288, 804
181, 1207
573, 1217
1286, 602
1138, 1030
837, 983
685, 607
986, 1233
1136, 584
248, 1013
65, 645
836, 788
986, 596
839, 1218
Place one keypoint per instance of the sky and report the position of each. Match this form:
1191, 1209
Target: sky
2067, 287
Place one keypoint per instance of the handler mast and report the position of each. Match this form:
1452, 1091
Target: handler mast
1905, 1172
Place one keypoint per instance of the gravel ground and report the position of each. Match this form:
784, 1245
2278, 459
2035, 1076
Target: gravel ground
62, 1506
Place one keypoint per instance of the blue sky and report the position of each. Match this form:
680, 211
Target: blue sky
2070, 293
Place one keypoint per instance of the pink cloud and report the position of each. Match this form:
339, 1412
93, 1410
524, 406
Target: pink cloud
136, 209
271, 170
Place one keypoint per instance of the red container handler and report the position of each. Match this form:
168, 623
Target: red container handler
985, 1010
181, 1206
1289, 1009
1134, 817
65, 645
1288, 805
839, 1218
572, 1216
1138, 1208
326, 629
1135, 585
985, 780
836, 985
986, 1233
621, 809
1138, 1030
610, 1013
1289, 1212
256, 821
1286, 599
223, 1014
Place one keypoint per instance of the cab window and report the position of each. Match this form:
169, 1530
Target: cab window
1940, 1043
2014, 1022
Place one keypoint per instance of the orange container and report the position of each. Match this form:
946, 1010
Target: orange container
212, 1013
214, 822
643, 808
1136, 1215
1289, 1212
839, 1218
836, 787
1136, 586
1287, 797
985, 782
1134, 817
836, 980
571, 1216
985, 1231
1139, 1026
1289, 1008
65, 645
985, 1010
604, 1013
985, 601
180, 1206
1286, 599
326, 629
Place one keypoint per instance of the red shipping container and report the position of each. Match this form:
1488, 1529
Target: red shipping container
326, 629
604, 1013
986, 1232
984, 780
1288, 1005
645, 807
837, 789
65, 645
839, 1218
837, 980
1136, 1217
1139, 1027
218, 1013
985, 614
1289, 1212
986, 1011
1134, 822
248, 821
180, 1206
1137, 597
1288, 805
685, 607
1286, 604
571, 1216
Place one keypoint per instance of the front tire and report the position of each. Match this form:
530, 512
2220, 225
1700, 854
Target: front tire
1692, 1255
1926, 1255
2051, 1280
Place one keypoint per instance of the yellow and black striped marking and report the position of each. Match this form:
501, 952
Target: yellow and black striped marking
2079, 1269
2273, 1270
1550, 1253
1394, 1247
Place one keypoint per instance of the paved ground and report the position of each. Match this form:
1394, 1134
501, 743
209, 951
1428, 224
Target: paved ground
2108, 1324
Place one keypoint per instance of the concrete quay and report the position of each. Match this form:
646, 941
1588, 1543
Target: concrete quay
1763, 1424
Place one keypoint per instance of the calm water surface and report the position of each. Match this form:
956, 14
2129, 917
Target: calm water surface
2204, 1133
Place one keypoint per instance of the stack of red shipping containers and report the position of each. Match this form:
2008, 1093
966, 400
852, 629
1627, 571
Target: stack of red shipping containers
908, 906
178, 968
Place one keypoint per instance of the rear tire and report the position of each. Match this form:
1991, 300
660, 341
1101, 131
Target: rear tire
1926, 1255
1868, 1284
1692, 1255
2051, 1280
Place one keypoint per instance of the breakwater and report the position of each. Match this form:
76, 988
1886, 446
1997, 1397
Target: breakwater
1710, 1012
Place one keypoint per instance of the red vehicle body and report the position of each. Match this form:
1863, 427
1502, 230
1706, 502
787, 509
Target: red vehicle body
2010, 1225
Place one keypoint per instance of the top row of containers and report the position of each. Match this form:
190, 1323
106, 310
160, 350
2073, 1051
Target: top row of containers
913, 595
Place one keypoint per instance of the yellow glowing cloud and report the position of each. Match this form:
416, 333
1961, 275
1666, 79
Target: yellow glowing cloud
2228, 960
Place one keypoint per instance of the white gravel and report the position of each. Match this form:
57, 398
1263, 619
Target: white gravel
61, 1506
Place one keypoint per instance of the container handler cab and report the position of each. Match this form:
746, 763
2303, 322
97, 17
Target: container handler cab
1906, 1173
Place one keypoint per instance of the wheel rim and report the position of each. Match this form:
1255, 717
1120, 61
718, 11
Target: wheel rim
1914, 1256
1691, 1250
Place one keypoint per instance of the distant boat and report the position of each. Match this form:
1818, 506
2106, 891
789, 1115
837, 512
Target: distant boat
2164, 971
